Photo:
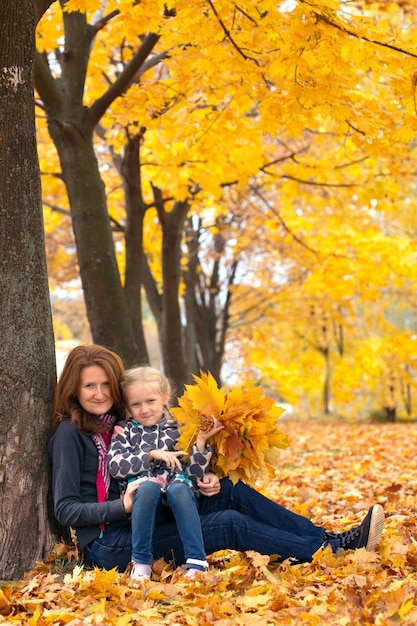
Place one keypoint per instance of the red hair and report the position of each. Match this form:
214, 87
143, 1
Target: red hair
66, 404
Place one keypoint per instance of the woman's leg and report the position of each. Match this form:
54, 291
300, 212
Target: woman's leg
232, 530
182, 502
113, 549
240, 497
257, 507
147, 499
221, 531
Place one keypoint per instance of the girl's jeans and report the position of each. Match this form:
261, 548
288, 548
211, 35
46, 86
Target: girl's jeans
149, 510
237, 518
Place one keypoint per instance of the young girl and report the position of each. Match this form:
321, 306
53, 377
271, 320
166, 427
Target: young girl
144, 447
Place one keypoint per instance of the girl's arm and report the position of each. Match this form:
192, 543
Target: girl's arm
201, 452
203, 437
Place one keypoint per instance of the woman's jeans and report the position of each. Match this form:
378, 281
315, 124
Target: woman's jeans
237, 518
149, 509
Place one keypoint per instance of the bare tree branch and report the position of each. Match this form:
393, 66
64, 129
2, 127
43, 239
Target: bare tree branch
228, 35
322, 18
123, 81
283, 224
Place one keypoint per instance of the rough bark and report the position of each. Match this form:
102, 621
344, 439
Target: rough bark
27, 370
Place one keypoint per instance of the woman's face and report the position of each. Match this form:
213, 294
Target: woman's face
94, 390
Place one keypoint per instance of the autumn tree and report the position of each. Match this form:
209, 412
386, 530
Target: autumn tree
27, 374
279, 120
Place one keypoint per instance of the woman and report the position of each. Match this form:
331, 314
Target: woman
87, 405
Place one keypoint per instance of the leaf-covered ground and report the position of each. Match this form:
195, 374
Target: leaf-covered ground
332, 472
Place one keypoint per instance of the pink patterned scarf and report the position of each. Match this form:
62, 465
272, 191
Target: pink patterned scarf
102, 441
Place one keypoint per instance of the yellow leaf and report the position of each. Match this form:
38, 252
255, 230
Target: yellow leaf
248, 445
5, 607
74, 576
82, 5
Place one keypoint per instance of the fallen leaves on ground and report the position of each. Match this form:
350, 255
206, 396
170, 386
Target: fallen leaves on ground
332, 473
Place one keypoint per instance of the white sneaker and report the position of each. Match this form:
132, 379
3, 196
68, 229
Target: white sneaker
140, 571
193, 571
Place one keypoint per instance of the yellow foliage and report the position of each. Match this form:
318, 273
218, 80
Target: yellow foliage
249, 444
314, 107
82, 5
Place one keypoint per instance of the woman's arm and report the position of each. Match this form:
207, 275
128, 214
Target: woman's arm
74, 469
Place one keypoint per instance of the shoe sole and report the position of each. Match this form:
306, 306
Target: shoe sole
375, 527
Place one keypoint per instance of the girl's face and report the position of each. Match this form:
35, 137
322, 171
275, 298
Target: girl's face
94, 390
145, 403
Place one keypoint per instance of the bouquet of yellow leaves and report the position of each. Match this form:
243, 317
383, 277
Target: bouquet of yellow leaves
248, 446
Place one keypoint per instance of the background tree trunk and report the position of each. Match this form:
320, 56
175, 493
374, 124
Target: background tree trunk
135, 212
27, 370
71, 126
107, 310
171, 330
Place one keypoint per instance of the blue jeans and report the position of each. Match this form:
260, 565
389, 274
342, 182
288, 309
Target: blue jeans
149, 510
238, 518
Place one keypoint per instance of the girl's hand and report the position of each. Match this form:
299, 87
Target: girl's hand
203, 437
171, 459
209, 485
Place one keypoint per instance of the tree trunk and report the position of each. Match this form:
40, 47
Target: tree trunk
135, 213
326, 382
27, 371
71, 127
107, 310
207, 304
195, 314
171, 332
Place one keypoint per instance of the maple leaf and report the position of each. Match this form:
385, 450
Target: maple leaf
247, 447
82, 5
5, 606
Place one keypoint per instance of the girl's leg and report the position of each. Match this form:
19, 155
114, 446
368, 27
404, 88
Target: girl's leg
147, 499
254, 505
182, 502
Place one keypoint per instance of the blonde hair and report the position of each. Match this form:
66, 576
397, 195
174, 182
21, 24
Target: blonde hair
148, 376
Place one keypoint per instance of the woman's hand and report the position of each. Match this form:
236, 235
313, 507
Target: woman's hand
129, 496
209, 485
